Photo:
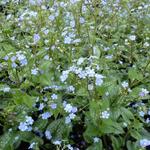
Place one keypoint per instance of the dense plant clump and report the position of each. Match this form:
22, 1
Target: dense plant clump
74, 75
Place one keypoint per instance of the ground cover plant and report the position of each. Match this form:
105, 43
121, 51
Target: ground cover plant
74, 75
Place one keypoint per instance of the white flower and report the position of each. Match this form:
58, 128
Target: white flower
53, 106
45, 99
46, 115
90, 87
16, 138
148, 112
62, 4
41, 106
31, 145
142, 113
67, 40
144, 142
21, 57
46, 31
82, 74
23, 126
82, 20
77, 41
34, 71
67, 120
72, 116
90, 72
54, 96
13, 58
146, 44
107, 93
64, 76
48, 134
74, 109
36, 38
6, 57
69, 147
32, 2
125, 124
132, 37
96, 139
147, 120
105, 114
125, 84
14, 65
99, 79
23, 62
143, 92
6, 89
29, 120
70, 89
72, 23
109, 56
51, 17
46, 57
68, 108
73, 1
57, 142
80, 60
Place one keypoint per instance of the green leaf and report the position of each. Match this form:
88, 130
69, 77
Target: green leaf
40, 124
30, 137
7, 140
126, 114
109, 126
59, 129
116, 143
90, 132
23, 98
135, 74
95, 111
131, 145
82, 92
135, 134
45, 79
96, 146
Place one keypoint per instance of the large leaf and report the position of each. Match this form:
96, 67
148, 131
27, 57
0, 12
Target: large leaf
90, 132
23, 98
126, 114
7, 140
135, 74
96, 146
59, 129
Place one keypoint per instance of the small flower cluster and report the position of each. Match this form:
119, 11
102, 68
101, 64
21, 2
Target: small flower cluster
5, 89
17, 59
143, 92
26, 126
71, 110
32, 145
105, 114
88, 72
34, 71
46, 115
125, 85
144, 143
48, 134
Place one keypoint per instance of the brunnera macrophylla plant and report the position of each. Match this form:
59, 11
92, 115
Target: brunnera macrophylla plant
74, 74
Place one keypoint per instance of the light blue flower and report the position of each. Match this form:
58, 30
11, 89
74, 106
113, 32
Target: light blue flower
53, 106
67, 120
46, 115
36, 38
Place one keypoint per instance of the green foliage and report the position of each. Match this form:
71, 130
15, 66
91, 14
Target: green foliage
74, 74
